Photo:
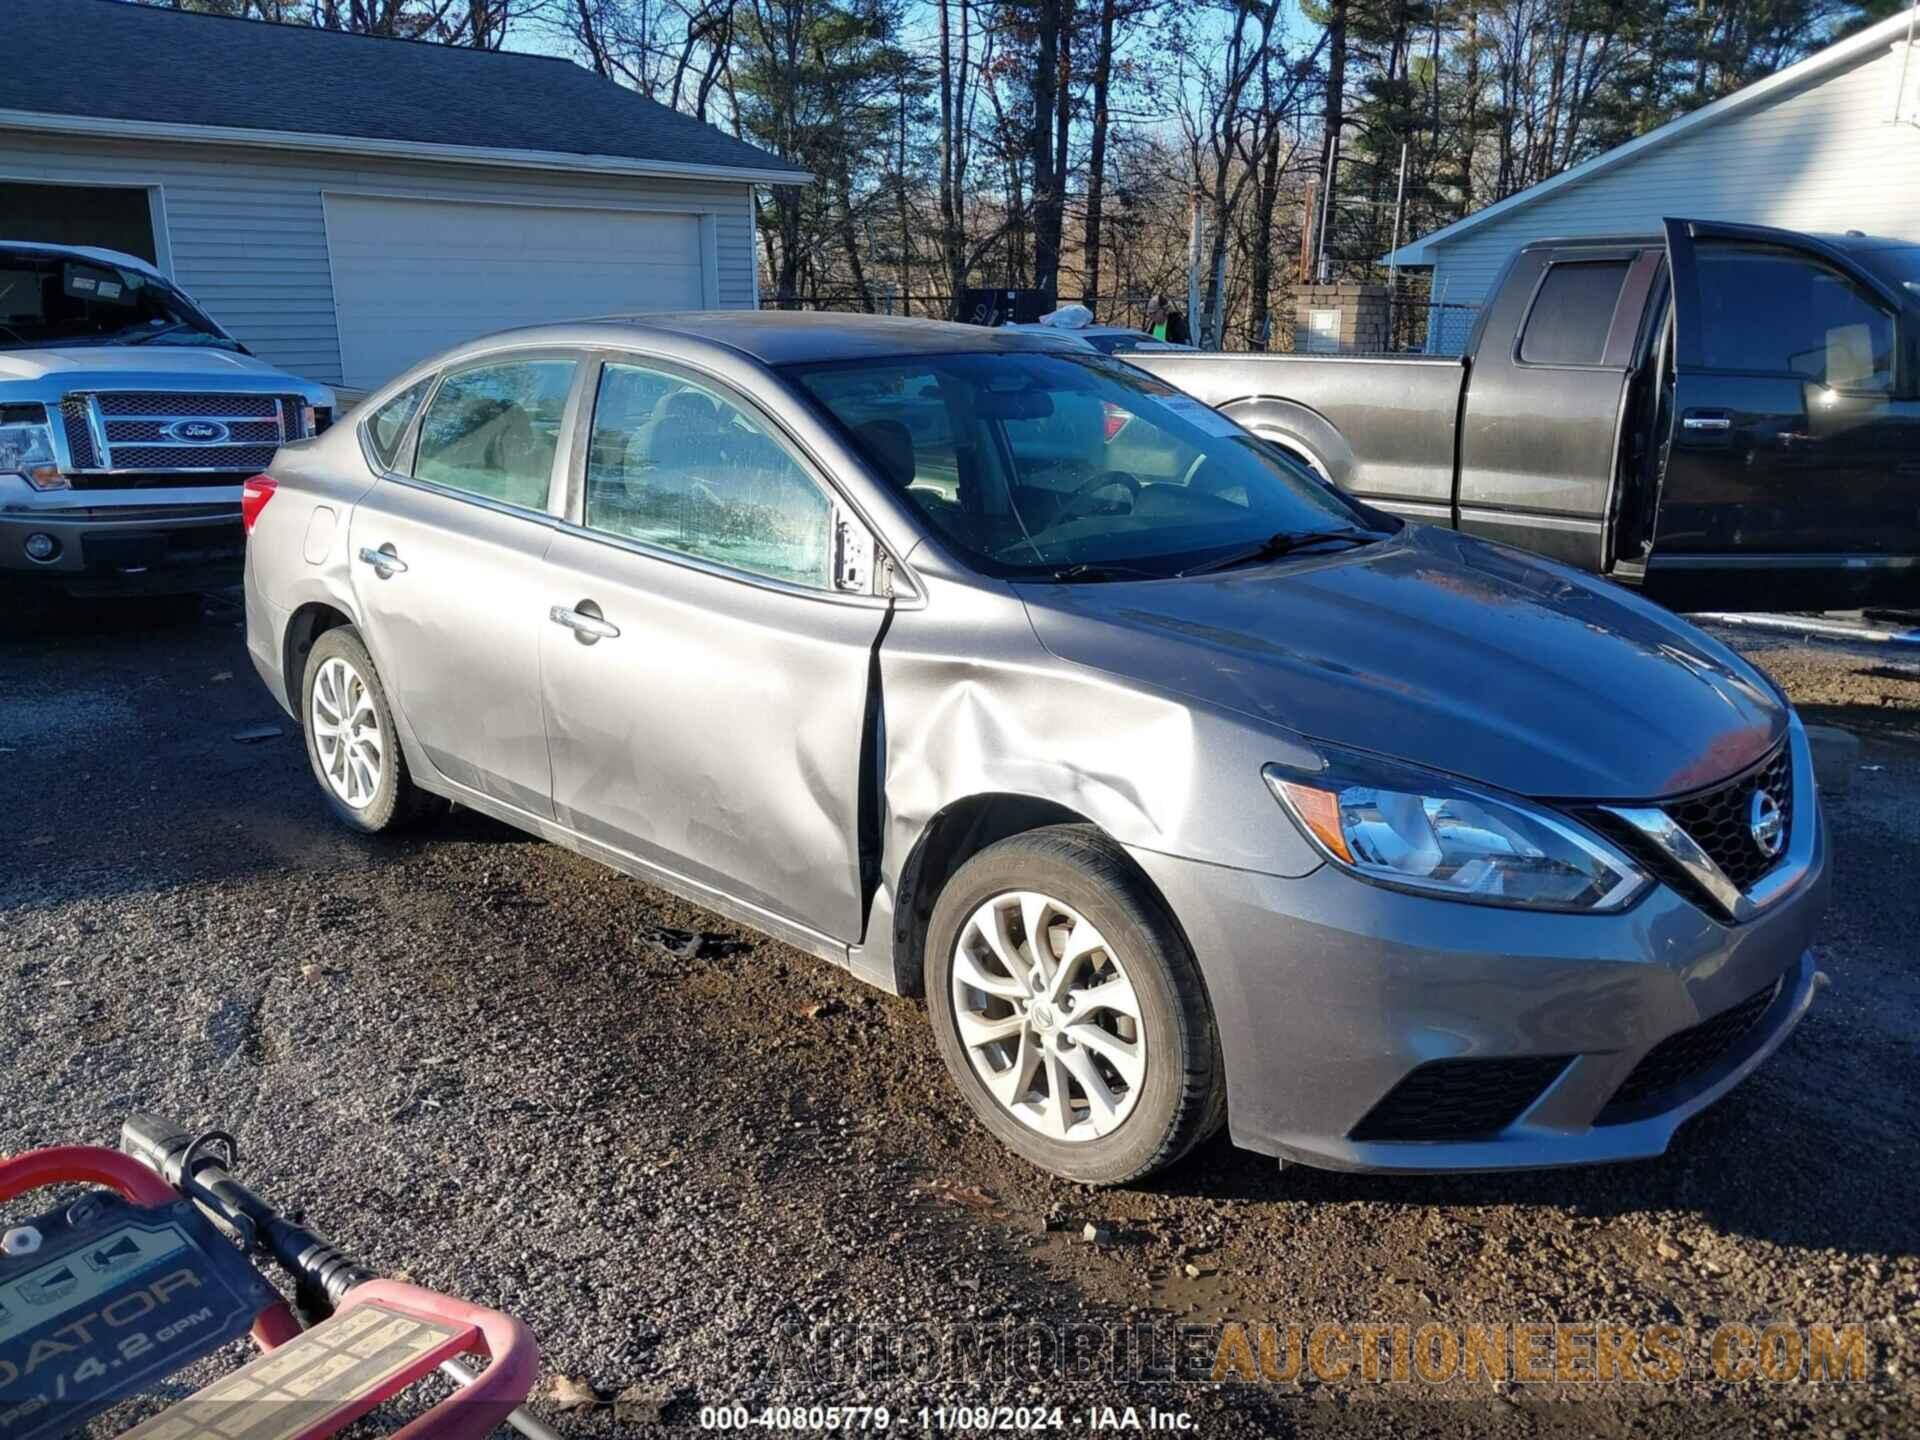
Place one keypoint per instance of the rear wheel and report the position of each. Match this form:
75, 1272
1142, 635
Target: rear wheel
1070, 1010
351, 742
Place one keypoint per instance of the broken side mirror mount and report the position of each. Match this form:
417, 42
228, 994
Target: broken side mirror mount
854, 555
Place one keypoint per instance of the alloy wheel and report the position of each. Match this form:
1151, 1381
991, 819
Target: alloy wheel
347, 734
1048, 1016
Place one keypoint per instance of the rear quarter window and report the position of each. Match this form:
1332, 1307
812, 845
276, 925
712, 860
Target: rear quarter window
1572, 313
387, 425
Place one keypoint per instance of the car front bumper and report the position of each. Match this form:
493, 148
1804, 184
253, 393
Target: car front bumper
1330, 993
124, 542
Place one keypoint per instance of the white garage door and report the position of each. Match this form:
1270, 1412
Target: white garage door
413, 276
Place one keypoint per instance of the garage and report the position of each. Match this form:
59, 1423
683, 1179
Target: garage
412, 276
345, 206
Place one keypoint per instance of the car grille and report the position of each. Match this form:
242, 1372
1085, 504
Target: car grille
73, 420
1682, 1057
119, 438
251, 458
250, 432
1718, 820
176, 406
1460, 1099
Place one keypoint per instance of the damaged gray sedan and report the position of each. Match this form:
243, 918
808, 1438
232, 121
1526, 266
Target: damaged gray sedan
1187, 791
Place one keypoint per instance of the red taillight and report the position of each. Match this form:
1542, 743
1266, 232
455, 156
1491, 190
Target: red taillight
253, 499
1116, 419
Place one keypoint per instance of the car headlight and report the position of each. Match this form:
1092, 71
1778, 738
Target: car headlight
1413, 830
26, 449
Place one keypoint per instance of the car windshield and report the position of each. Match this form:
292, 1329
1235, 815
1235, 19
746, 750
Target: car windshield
48, 300
1043, 463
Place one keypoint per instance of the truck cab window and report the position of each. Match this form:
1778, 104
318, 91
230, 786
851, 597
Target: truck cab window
1817, 323
1572, 313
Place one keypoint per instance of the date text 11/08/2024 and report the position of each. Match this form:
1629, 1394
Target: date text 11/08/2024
985, 1418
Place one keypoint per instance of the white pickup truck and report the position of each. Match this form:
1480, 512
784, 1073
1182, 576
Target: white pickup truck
128, 422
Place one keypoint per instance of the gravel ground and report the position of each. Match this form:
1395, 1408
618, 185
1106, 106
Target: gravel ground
708, 1170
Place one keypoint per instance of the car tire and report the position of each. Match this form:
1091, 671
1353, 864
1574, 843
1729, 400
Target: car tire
365, 793
1171, 1094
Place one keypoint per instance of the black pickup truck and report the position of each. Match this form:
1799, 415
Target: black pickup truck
1725, 415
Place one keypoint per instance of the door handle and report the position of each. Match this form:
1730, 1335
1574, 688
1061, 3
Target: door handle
383, 561
1708, 421
588, 628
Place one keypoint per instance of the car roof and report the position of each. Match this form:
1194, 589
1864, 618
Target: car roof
793, 337
84, 252
1041, 327
1853, 241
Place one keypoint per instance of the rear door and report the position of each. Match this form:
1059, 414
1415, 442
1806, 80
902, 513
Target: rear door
448, 554
1540, 441
1791, 479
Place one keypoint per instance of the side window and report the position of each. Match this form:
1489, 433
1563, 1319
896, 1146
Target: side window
1572, 313
674, 464
387, 424
492, 430
1815, 323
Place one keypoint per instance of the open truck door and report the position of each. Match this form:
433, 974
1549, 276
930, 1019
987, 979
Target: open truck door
1790, 478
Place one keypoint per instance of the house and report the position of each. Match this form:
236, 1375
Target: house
345, 204
1829, 144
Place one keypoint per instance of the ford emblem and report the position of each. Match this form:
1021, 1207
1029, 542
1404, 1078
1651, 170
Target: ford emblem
196, 432
1766, 824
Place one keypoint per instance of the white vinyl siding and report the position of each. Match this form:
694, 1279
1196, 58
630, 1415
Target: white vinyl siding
246, 228
1826, 157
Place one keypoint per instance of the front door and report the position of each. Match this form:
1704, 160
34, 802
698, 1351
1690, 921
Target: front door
1792, 474
447, 565
707, 686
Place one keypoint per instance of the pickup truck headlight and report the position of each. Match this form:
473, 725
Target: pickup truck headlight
26, 449
1413, 830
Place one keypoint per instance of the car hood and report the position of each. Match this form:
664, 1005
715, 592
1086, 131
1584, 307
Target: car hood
1444, 651
79, 366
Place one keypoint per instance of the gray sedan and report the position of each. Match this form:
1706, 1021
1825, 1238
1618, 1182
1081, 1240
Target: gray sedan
1187, 791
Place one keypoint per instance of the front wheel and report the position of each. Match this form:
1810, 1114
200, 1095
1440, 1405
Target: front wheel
351, 742
1069, 1009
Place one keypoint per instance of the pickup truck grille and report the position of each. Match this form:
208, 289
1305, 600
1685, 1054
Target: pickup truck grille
73, 419
175, 406
153, 432
147, 438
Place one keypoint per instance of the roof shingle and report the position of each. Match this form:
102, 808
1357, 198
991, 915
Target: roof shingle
110, 60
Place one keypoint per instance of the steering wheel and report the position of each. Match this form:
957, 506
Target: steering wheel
1105, 480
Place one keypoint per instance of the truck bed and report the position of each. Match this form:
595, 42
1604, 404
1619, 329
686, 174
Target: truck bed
1406, 408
